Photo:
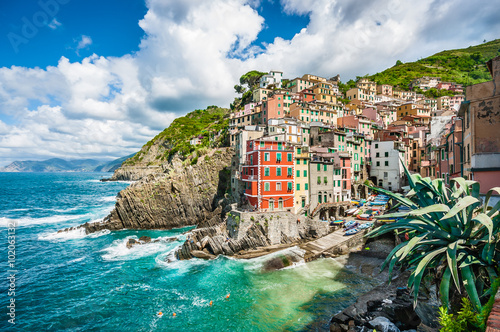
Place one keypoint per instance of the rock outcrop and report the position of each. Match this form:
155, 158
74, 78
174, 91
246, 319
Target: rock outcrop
182, 195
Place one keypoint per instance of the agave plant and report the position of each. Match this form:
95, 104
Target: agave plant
451, 230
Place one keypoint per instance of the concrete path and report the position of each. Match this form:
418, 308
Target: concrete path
334, 240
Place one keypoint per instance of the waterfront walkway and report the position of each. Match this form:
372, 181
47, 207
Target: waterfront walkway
331, 243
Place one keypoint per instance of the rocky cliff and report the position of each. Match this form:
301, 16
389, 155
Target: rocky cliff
186, 193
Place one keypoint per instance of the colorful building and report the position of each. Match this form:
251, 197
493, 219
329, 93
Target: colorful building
268, 174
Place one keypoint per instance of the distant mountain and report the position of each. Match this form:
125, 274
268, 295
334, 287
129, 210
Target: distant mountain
61, 165
112, 165
464, 66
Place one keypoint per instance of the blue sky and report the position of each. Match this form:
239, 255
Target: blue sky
112, 27
98, 79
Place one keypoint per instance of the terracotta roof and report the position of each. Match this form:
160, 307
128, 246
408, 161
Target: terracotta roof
493, 324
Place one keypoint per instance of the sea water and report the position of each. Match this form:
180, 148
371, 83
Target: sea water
77, 282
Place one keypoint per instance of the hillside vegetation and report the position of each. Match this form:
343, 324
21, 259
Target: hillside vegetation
464, 66
209, 125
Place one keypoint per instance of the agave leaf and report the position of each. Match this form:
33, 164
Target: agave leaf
488, 196
460, 182
419, 271
391, 254
487, 222
473, 188
488, 253
470, 260
430, 209
462, 204
411, 244
397, 197
468, 280
444, 288
451, 256
441, 188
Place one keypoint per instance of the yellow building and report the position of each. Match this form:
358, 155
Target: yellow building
413, 109
323, 92
366, 84
360, 94
301, 178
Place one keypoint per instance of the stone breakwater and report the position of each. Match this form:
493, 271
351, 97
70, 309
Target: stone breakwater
251, 234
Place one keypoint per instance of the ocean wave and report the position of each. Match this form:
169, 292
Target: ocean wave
76, 233
118, 249
28, 221
108, 199
77, 260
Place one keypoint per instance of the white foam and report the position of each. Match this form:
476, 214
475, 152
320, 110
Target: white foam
77, 260
108, 199
28, 221
118, 249
76, 233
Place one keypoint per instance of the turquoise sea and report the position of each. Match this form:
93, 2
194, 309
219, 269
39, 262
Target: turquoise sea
77, 282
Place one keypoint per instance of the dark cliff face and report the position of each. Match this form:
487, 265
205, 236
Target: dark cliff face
182, 195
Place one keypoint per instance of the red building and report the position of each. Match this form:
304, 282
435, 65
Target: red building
268, 175
345, 169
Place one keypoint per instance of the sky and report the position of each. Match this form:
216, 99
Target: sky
98, 79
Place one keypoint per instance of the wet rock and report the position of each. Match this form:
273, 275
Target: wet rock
145, 239
131, 243
202, 254
383, 324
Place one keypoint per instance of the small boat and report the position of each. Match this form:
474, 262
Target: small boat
352, 211
337, 222
356, 224
351, 232
387, 220
350, 223
364, 216
365, 225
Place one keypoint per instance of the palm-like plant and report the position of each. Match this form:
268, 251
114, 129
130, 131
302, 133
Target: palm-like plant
452, 229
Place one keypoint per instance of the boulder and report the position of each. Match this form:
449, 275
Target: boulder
383, 324
131, 243
145, 239
202, 254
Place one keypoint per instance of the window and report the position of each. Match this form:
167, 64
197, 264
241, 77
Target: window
376, 146
299, 150
318, 167
266, 156
338, 183
278, 157
378, 163
298, 186
289, 171
306, 186
305, 162
319, 198
297, 173
386, 154
278, 171
325, 181
278, 186
267, 186
298, 161
251, 160
279, 146
319, 179
290, 186
305, 173
386, 163
325, 167
266, 171
289, 157
261, 145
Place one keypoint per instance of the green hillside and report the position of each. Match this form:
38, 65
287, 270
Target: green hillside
204, 124
465, 66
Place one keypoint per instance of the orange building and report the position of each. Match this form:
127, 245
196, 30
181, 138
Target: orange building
268, 174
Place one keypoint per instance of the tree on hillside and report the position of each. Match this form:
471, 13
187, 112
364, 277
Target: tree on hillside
248, 82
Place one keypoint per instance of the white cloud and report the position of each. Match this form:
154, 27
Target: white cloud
194, 52
54, 24
83, 43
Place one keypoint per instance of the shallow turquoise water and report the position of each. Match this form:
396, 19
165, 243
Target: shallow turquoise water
75, 282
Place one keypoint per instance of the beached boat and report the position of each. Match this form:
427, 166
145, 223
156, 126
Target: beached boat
337, 222
354, 225
364, 216
365, 225
352, 211
351, 232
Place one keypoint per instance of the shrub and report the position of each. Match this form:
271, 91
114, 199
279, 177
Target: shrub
451, 230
